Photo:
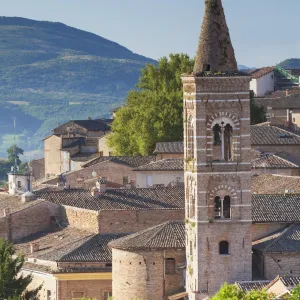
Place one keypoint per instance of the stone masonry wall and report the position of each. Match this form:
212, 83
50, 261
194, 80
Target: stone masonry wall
31, 220
92, 289
52, 147
4, 228
140, 274
128, 221
281, 264
81, 218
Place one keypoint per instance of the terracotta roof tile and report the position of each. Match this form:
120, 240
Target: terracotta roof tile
163, 236
261, 72
247, 286
169, 164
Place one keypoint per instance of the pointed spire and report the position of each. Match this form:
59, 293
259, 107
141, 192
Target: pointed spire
215, 52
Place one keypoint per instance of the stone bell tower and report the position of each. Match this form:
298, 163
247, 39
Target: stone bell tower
217, 162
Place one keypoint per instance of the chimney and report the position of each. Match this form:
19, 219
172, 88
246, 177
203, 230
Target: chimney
6, 212
34, 247
289, 118
287, 92
101, 185
94, 191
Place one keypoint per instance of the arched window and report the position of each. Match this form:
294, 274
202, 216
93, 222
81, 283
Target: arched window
222, 141
170, 266
224, 248
222, 207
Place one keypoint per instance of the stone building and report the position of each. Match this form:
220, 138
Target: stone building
263, 81
158, 254
74, 143
217, 162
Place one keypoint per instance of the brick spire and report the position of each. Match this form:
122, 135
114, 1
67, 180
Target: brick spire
215, 52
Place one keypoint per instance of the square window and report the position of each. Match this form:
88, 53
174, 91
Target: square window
107, 295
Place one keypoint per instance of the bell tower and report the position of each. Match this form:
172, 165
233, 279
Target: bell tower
217, 162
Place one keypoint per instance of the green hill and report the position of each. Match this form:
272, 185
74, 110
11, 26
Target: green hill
291, 63
50, 72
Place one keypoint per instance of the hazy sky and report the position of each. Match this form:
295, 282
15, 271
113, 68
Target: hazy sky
264, 32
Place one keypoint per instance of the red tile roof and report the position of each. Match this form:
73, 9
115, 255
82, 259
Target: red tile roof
261, 72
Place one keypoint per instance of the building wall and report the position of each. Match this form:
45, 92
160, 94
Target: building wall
81, 218
263, 85
47, 280
38, 168
4, 228
262, 230
91, 289
103, 147
113, 172
52, 148
120, 221
32, 219
160, 156
140, 274
158, 177
281, 264
19, 184
76, 165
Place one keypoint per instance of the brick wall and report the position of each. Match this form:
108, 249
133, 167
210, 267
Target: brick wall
4, 228
32, 219
112, 171
93, 289
127, 221
262, 230
140, 274
281, 264
161, 156
81, 218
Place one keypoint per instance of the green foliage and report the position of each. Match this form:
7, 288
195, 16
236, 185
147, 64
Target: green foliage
13, 155
295, 294
154, 112
232, 292
258, 113
12, 285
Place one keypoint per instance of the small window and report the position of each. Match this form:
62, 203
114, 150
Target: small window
48, 295
170, 266
109, 153
224, 248
125, 180
107, 295
206, 67
101, 153
19, 184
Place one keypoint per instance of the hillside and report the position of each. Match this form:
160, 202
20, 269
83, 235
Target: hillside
50, 72
291, 63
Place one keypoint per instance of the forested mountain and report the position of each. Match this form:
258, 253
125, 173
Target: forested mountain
291, 63
50, 72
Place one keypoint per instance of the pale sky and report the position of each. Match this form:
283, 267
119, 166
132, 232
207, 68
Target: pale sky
264, 32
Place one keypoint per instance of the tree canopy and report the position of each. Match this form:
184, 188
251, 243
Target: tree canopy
153, 112
13, 154
232, 292
12, 284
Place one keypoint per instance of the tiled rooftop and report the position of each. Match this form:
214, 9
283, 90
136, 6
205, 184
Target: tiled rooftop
13, 203
163, 236
275, 161
169, 164
275, 184
90, 125
169, 147
284, 102
287, 240
132, 161
68, 245
261, 72
272, 135
118, 199
247, 286
275, 208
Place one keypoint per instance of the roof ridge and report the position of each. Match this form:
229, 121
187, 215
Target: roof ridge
285, 160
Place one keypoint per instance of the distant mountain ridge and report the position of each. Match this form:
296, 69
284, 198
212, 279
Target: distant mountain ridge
52, 73
291, 63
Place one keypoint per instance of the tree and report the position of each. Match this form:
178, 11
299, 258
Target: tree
12, 284
258, 112
232, 292
295, 294
14, 153
153, 112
